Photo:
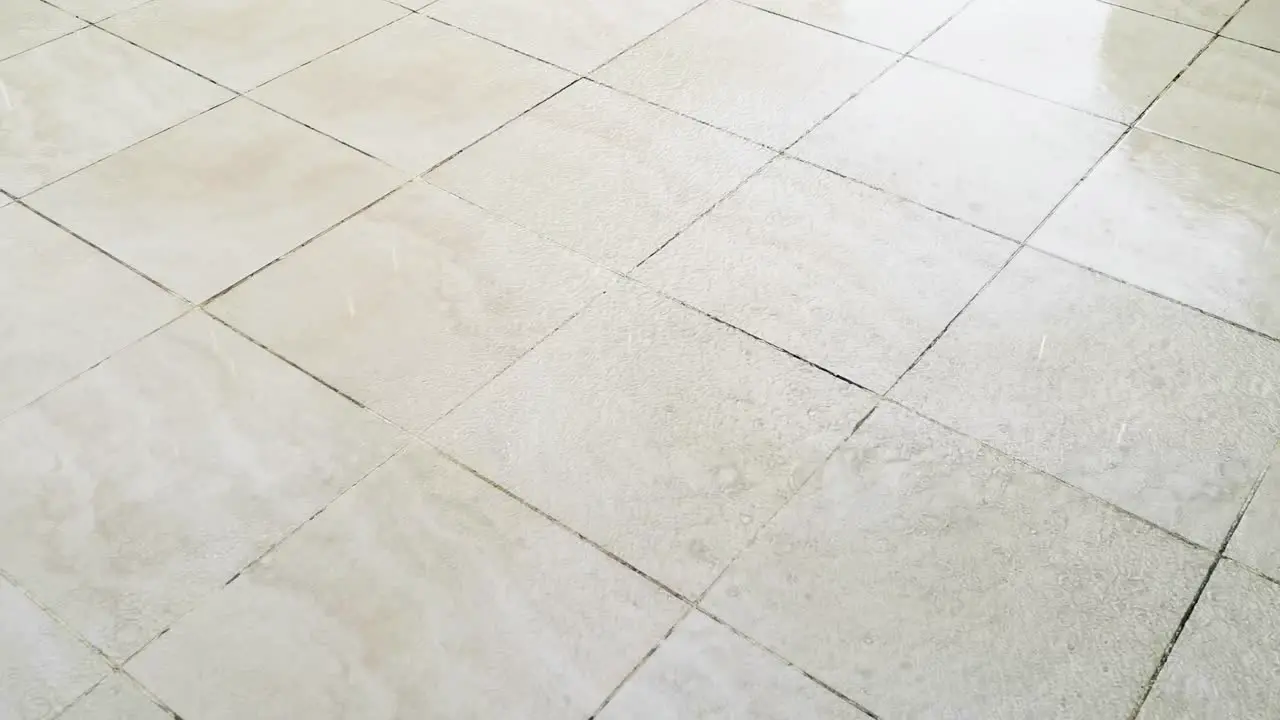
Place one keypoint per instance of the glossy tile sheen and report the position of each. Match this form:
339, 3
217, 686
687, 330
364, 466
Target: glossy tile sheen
414, 304
1161, 410
25, 24
882, 22
1184, 222
116, 698
917, 552
982, 153
602, 173
201, 206
707, 433
1256, 542
140, 488
423, 593
1258, 23
747, 71
850, 278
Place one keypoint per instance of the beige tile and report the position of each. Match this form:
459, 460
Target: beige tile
82, 97
656, 432
205, 204
1161, 410
43, 667
1257, 23
414, 93
145, 484
1206, 14
886, 23
780, 260
244, 43
422, 593
927, 576
603, 173
1226, 665
1256, 541
992, 156
1181, 221
1083, 53
95, 10
25, 24
579, 35
117, 698
1228, 101
415, 303
747, 71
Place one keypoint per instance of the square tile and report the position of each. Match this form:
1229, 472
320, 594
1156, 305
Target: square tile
1206, 14
662, 435
982, 153
847, 277
25, 24
1083, 53
116, 698
413, 93
145, 484
415, 303
200, 206
1258, 23
244, 43
1226, 665
1228, 101
43, 667
747, 71
579, 35
422, 593
916, 552
1256, 541
64, 306
883, 22
95, 10
704, 670
1161, 410
603, 173
1184, 222
84, 96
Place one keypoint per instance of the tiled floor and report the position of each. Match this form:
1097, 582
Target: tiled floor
644, 359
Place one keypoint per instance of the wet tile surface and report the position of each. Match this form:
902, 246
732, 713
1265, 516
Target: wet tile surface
882, 22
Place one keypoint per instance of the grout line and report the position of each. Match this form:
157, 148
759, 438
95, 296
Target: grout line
459, 28
689, 610
637, 43
837, 33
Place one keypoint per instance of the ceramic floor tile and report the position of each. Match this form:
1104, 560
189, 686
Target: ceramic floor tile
603, 173
1205, 14
95, 10
82, 97
1184, 222
116, 698
43, 667
1257, 23
244, 43
656, 432
1161, 410
414, 93
747, 71
1226, 665
64, 306
203, 205
25, 24
706, 671
415, 303
992, 156
1228, 101
886, 23
579, 35
1082, 53
780, 259
145, 484
425, 593
1256, 541
917, 551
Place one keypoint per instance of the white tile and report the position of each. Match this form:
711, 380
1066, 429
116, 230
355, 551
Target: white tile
1206, 14
422, 593
1256, 541
886, 23
25, 24
927, 576
95, 10
116, 698
1257, 23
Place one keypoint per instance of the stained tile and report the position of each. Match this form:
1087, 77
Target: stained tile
134, 491
201, 206
603, 173
116, 698
414, 93
244, 43
656, 432
747, 71
1083, 53
1256, 541
1258, 23
64, 306
25, 24
424, 592
1161, 410
917, 551
95, 10
1206, 14
1228, 101
992, 156
1180, 221
415, 303
854, 280
883, 22
82, 97
1226, 665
